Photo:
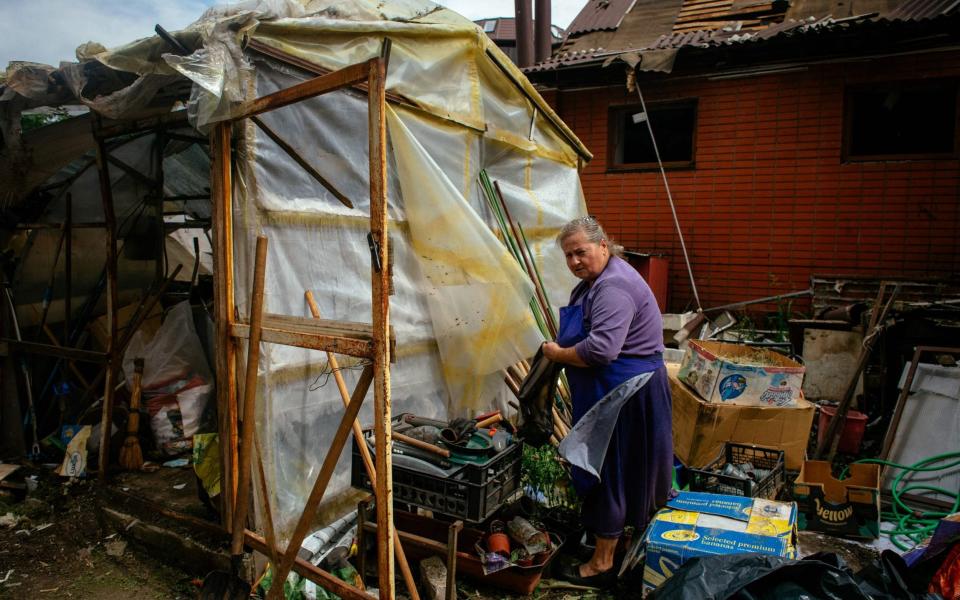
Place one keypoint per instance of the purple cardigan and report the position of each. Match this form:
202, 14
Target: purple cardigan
621, 315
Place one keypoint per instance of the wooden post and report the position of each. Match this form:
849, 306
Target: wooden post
250, 397
110, 237
452, 534
381, 326
68, 268
221, 189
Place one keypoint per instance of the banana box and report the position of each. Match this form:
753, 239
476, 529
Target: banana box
699, 524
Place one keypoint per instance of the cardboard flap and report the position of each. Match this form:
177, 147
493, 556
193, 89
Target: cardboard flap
732, 507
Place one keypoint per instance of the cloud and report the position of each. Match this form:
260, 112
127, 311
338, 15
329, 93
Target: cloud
48, 31
562, 12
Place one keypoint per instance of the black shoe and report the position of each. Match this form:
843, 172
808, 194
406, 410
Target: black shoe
571, 572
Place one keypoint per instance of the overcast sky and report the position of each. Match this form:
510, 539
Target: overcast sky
48, 31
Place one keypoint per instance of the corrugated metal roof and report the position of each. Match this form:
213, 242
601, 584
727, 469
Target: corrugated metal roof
600, 15
598, 47
645, 22
916, 10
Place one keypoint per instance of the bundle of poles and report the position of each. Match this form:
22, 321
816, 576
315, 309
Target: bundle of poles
513, 236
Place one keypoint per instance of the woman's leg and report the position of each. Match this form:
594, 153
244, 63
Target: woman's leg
602, 559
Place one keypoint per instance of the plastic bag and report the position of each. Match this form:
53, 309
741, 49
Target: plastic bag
177, 382
536, 400
822, 576
75, 460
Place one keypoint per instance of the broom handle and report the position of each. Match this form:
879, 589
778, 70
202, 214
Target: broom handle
133, 423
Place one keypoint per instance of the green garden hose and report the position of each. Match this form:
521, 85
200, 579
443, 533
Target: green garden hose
911, 523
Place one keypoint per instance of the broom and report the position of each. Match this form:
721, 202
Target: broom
131, 458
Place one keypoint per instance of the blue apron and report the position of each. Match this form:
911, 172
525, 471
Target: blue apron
599, 392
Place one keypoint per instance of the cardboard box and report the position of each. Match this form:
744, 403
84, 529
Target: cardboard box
737, 374
700, 428
848, 508
698, 524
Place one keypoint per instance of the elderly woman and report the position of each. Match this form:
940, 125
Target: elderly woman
621, 444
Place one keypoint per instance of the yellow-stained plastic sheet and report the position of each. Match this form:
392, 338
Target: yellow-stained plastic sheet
460, 311
477, 293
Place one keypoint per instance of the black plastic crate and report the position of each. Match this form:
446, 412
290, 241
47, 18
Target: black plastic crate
471, 492
706, 480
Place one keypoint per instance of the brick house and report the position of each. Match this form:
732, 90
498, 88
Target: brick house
798, 138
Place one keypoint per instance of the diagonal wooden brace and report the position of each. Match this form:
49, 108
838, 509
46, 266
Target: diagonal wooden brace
320, 485
365, 456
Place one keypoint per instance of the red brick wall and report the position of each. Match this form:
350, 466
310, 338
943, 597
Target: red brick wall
770, 202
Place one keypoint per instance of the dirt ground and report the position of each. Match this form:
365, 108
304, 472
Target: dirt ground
57, 543
59, 549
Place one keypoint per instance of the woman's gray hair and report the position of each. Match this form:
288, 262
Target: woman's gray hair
594, 232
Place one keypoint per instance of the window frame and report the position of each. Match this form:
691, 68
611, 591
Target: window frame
846, 155
615, 133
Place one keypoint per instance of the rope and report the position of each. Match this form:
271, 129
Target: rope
673, 209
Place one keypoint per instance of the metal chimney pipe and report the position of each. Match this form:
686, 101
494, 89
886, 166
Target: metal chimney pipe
544, 38
524, 14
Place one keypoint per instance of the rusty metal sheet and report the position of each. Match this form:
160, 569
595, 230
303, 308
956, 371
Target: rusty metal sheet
599, 15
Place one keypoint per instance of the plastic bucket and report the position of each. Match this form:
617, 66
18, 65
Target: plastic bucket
853, 428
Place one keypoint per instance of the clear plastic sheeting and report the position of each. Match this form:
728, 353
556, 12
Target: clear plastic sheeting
460, 311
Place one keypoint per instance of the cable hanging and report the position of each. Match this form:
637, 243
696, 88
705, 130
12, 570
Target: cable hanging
673, 209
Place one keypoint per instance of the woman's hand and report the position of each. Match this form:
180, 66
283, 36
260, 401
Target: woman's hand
558, 353
551, 350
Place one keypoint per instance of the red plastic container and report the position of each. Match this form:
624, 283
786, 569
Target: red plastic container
853, 428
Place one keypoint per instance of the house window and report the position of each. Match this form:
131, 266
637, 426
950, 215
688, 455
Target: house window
674, 127
901, 120
489, 26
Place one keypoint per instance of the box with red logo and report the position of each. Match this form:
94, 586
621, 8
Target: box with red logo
846, 508
725, 373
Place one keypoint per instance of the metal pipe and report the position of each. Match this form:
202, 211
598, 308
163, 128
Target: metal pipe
542, 23
524, 16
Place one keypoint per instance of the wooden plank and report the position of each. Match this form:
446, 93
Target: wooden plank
6, 470
337, 80
360, 331
221, 189
320, 485
110, 239
57, 351
317, 70
250, 398
426, 543
299, 339
311, 572
167, 119
292, 153
381, 327
339, 337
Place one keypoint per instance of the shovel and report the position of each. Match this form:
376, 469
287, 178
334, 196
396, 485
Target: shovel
220, 585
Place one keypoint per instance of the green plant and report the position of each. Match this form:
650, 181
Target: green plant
780, 320
545, 474
37, 120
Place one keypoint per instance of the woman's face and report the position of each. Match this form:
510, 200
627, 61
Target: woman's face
585, 259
